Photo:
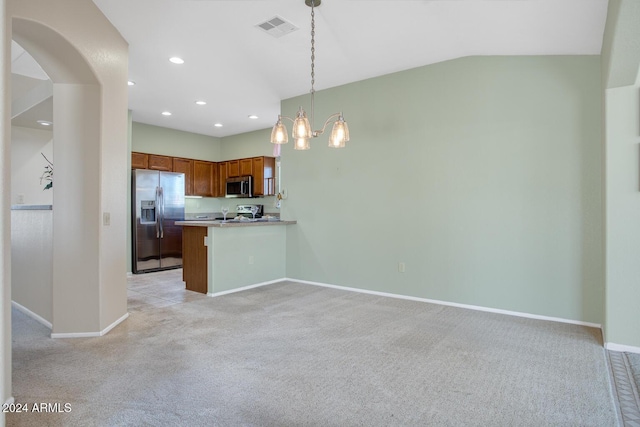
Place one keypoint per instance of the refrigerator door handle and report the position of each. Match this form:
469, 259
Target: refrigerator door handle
161, 213
157, 212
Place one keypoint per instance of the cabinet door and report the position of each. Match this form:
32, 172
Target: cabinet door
202, 178
160, 163
246, 166
233, 168
139, 161
264, 176
222, 179
186, 167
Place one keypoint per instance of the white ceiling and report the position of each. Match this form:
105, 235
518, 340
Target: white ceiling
240, 70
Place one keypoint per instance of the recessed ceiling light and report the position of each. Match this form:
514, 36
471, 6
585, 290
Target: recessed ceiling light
253, 116
176, 60
218, 125
201, 102
44, 123
166, 113
131, 83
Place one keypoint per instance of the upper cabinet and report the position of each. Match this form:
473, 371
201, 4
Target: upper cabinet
208, 179
246, 167
185, 166
139, 161
222, 178
204, 182
233, 168
264, 181
160, 163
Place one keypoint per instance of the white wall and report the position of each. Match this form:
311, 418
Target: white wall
32, 261
621, 88
87, 61
27, 165
5, 205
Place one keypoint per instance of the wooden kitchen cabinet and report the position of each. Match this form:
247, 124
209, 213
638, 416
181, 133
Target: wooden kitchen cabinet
264, 181
222, 179
139, 161
246, 167
233, 168
203, 179
160, 163
185, 166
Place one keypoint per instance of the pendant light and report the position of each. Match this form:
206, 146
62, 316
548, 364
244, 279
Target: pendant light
302, 131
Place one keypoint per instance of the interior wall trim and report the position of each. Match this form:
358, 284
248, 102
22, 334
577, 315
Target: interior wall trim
622, 348
244, 288
454, 304
90, 334
31, 314
10, 401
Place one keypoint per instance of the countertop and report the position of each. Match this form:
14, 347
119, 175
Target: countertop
234, 223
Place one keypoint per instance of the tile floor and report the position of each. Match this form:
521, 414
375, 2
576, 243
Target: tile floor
160, 289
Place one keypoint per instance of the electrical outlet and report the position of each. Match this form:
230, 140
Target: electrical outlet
250, 259
20, 198
401, 267
106, 218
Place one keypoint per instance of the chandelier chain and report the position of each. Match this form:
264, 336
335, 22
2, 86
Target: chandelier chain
313, 46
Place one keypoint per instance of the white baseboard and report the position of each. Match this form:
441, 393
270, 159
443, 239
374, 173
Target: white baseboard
31, 314
452, 304
621, 347
244, 288
90, 334
10, 401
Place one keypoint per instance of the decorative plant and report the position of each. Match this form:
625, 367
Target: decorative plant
47, 175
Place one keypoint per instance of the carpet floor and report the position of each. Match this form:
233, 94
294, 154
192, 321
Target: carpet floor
290, 354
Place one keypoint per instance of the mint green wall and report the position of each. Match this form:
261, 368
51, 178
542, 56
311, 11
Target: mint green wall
621, 59
248, 144
171, 142
482, 174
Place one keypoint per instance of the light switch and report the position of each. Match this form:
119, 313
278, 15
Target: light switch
106, 218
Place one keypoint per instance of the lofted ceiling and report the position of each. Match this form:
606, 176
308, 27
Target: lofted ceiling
241, 70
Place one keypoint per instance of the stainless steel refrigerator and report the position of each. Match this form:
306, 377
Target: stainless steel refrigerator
158, 202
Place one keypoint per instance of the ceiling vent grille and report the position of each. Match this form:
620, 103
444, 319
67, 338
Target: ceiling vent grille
277, 27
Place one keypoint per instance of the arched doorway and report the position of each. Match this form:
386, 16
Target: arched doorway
86, 59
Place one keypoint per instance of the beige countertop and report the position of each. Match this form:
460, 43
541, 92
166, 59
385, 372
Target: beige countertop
225, 224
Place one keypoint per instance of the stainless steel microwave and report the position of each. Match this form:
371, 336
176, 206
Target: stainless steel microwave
239, 187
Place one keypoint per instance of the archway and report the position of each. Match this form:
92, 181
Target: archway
86, 59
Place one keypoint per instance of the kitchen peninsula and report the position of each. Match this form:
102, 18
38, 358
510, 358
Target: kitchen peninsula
223, 256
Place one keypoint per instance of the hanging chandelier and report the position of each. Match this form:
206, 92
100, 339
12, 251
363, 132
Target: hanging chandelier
303, 129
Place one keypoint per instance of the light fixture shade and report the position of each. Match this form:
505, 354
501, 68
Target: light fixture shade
279, 133
339, 134
301, 126
302, 144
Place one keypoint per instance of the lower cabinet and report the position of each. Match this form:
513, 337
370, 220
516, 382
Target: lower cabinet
194, 259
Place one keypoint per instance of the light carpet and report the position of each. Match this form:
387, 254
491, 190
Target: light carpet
289, 354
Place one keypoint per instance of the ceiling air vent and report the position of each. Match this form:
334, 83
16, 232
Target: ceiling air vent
277, 27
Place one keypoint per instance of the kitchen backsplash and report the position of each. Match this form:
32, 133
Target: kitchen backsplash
210, 205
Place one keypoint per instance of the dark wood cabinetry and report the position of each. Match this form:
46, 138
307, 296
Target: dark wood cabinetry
208, 179
233, 168
203, 179
194, 259
246, 167
264, 176
139, 161
160, 163
185, 166
222, 179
